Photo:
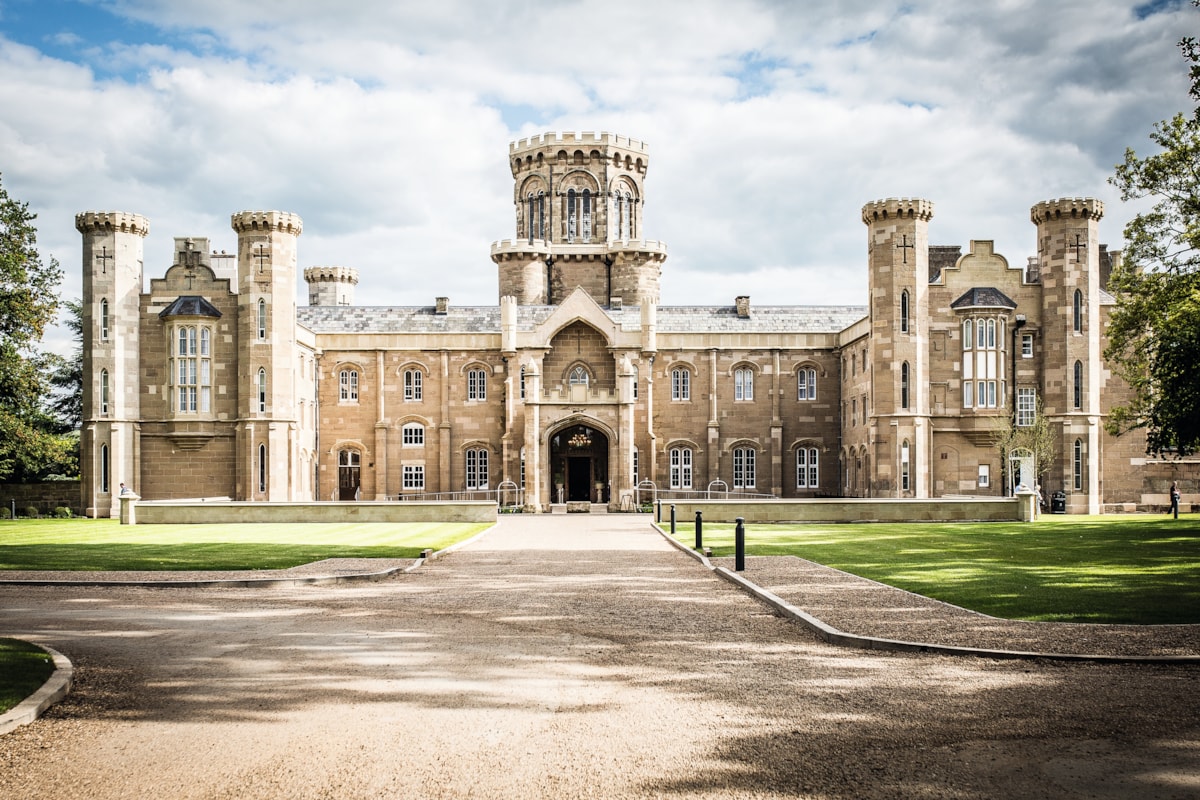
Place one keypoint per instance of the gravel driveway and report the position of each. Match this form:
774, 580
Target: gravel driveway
558, 657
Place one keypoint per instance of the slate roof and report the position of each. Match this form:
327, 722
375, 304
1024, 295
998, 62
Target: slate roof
486, 319
190, 305
984, 297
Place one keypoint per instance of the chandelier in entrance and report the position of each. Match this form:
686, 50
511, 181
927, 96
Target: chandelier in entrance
581, 438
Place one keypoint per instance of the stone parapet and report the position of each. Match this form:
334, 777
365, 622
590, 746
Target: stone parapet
506, 249
280, 221
109, 221
338, 274
590, 138
897, 208
1069, 207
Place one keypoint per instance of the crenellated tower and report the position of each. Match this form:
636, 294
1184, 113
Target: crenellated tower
266, 436
579, 200
898, 280
1069, 260
112, 288
331, 286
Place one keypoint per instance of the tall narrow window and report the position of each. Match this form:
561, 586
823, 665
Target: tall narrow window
627, 217
1077, 312
262, 319
743, 468
743, 384
904, 311
104, 319
262, 390
104, 393
205, 370
104, 469
522, 383
813, 472
262, 468
968, 334
1026, 345
801, 468
1026, 407
1078, 385
681, 468
681, 384
636, 381
586, 228
905, 467
477, 469
904, 385
348, 386
523, 467
476, 384
1077, 465
635, 467
570, 215
412, 385
806, 384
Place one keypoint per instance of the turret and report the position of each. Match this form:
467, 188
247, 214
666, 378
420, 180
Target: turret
331, 286
266, 333
112, 287
1069, 260
898, 279
578, 201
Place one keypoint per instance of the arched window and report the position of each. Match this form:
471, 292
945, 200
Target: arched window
681, 384
743, 468
586, 228
806, 384
904, 385
968, 334
522, 383
904, 311
579, 377
1078, 385
905, 467
262, 319
636, 381
476, 384
104, 319
104, 393
743, 384
413, 389
412, 434
991, 334
1077, 312
807, 468
681, 468
262, 390
348, 386
570, 215
104, 469
262, 468
477, 468
1077, 465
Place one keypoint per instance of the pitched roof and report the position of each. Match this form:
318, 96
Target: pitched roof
190, 305
984, 297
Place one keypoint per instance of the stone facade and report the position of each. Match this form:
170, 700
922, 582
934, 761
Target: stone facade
579, 386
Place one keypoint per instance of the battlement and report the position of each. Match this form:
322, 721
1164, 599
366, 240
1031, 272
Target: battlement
520, 248
1069, 207
897, 208
589, 138
278, 221
109, 221
331, 274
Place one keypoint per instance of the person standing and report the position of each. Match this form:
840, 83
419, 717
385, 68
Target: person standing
1175, 499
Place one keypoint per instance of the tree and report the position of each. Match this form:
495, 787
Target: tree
28, 302
1154, 331
66, 374
1038, 438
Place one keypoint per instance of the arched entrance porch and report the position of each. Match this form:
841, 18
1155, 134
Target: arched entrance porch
579, 464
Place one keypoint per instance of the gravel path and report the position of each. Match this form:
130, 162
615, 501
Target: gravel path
552, 658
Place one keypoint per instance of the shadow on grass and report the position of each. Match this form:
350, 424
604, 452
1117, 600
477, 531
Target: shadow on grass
217, 556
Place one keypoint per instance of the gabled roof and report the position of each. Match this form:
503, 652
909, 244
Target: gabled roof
190, 305
984, 297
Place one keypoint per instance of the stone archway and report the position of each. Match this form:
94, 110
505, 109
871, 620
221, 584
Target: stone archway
579, 464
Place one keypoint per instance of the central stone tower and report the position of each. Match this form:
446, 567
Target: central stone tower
578, 200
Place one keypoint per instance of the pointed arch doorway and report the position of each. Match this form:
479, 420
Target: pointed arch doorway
579, 465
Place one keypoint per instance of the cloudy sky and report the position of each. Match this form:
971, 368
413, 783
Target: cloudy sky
385, 124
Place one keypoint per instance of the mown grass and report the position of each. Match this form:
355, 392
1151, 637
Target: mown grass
101, 545
1111, 569
24, 667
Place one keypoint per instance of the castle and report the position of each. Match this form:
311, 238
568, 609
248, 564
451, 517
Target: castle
579, 386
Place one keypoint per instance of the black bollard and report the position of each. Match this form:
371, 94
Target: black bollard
739, 544
699, 531
659, 520
672, 519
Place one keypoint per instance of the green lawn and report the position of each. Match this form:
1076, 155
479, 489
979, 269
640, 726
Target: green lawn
1116, 569
95, 545
24, 667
